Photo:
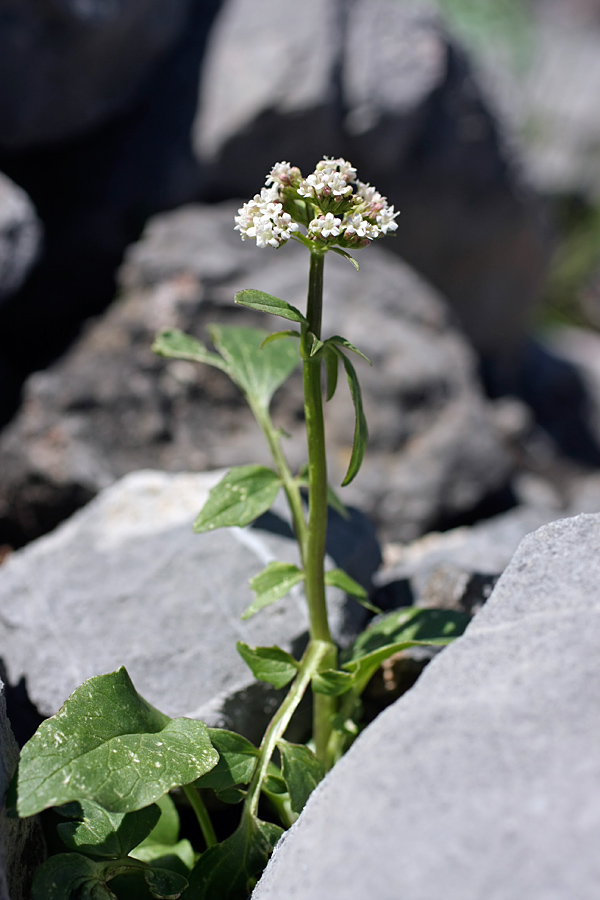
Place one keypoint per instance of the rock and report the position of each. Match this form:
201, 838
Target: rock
479, 782
20, 236
21, 843
74, 67
126, 582
110, 406
381, 84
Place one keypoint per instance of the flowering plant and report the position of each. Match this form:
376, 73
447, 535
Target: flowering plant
107, 760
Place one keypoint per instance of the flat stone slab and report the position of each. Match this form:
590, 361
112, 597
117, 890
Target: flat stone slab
126, 582
483, 781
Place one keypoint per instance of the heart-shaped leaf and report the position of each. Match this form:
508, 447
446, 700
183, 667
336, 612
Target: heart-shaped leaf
270, 664
108, 745
244, 494
269, 304
96, 832
301, 771
274, 582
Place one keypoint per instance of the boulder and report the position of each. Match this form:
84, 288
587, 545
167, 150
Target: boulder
20, 236
481, 781
383, 85
126, 582
110, 406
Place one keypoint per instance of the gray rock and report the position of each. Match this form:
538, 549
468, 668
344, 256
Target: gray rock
110, 406
71, 67
20, 236
482, 780
21, 844
126, 582
381, 84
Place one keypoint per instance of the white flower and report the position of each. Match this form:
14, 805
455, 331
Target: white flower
355, 224
368, 193
283, 174
325, 226
262, 219
385, 219
330, 179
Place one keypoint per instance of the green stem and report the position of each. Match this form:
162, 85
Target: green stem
310, 664
197, 804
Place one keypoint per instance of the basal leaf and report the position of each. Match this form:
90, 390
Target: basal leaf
331, 359
332, 682
96, 832
339, 579
274, 582
361, 433
245, 493
237, 760
270, 664
230, 870
177, 345
108, 745
301, 771
258, 372
70, 876
342, 342
269, 304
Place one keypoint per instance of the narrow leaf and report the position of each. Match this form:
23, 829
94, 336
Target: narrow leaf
361, 433
245, 493
332, 682
269, 304
273, 583
342, 342
108, 745
406, 624
258, 372
237, 760
230, 870
277, 335
347, 256
270, 664
96, 832
316, 344
365, 667
331, 369
301, 771
177, 345
339, 579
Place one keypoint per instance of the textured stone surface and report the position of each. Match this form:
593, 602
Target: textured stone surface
126, 582
21, 846
20, 236
482, 780
110, 406
381, 84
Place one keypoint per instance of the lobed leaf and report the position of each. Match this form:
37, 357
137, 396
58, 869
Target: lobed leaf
70, 876
245, 493
97, 832
108, 745
269, 304
274, 582
301, 771
237, 760
270, 664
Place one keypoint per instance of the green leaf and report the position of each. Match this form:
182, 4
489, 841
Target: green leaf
230, 870
277, 335
347, 256
315, 344
257, 372
108, 745
245, 493
179, 857
237, 761
332, 682
100, 833
301, 771
269, 304
408, 623
342, 342
177, 345
331, 369
274, 582
339, 579
166, 830
274, 784
270, 664
361, 433
365, 667
70, 876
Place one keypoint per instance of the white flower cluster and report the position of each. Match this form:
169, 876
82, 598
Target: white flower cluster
264, 220
331, 203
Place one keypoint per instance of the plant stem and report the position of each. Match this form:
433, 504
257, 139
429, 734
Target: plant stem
309, 666
314, 559
197, 804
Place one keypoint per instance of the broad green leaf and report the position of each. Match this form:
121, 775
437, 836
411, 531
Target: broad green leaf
166, 830
245, 493
179, 857
406, 624
332, 682
347, 256
257, 372
70, 876
269, 304
270, 664
237, 761
331, 369
230, 870
301, 771
177, 345
274, 582
277, 335
342, 342
108, 745
339, 579
95, 831
361, 433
